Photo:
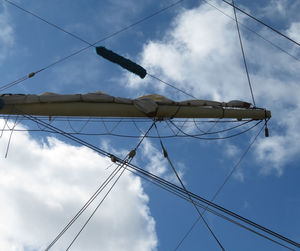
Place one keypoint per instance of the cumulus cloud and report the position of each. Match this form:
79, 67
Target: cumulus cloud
157, 164
200, 47
44, 183
200, 54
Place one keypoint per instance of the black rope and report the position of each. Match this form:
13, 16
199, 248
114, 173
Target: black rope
183, 186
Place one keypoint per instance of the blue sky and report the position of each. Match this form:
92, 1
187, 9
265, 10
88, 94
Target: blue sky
45, 179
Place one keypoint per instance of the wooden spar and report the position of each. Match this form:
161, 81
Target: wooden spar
92, 109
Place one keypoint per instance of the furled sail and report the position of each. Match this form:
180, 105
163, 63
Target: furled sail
104, 105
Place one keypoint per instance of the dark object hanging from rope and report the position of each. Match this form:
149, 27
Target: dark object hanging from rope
124, 62
266, 132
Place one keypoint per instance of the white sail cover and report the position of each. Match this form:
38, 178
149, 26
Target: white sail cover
149, 105
101, 97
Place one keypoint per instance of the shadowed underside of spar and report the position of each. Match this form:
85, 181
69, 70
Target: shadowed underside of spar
103, 105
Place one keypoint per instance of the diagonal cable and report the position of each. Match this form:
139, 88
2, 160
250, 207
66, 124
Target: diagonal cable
183, 186
222, 186
263, 23
243, 53
6, 86
252, 31
122, 165
165, 183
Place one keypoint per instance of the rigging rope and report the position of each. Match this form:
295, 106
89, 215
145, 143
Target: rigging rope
220, 138
6, 86
183, 186
167, 184
263, 23
176, 193
222, 186
243, 53
10, 136
109, 132
131, 155
121, 165
254, 32
85, 206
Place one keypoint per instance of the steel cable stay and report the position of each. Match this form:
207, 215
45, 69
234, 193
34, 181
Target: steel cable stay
183, 186
222, 185
114, 173
170, 185
5, 124
99, 204
185, 197
122, 165
10, 135
211, 204
91, 199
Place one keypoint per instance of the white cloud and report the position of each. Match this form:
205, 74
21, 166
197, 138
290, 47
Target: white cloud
74, 72
118, 13
6, 33
201, 55
275, 9
43, 185
157, 164
199, 49
294, 31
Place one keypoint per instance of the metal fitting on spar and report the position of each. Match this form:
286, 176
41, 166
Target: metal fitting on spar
2, 103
